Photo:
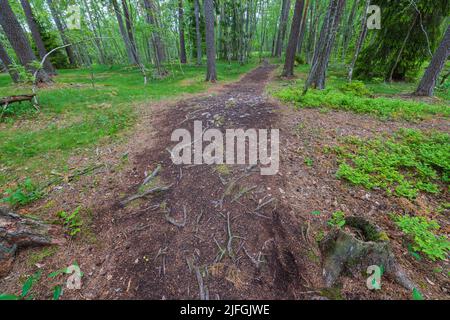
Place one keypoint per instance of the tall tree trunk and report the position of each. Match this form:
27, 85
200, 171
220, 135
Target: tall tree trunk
129, 27
197, 31
359, 44
94, 30
123, 31
35, 32
61, 29
183, 58
158, 45
348, 32
284, 17
303, 28
211, 73
293, 39
429, 79
327, 38
19, 41
7, 63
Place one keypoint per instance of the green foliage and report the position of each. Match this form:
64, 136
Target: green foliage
422, 232
337, 219
380, 55
357, 88
351, 98
23, 194
26, 289
409, 162
417, 295
72, 221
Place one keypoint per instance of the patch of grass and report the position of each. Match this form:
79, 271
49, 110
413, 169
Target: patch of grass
223, 170
406, 164
76, 116
39, 256
23, 194
381, 107
423, 234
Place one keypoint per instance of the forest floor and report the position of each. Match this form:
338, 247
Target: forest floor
246, 236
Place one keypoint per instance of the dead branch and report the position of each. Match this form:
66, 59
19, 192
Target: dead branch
145, 194
152, 176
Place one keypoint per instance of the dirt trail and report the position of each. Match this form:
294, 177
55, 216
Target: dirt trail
227, 251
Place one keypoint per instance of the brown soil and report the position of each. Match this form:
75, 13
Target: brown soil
134, 252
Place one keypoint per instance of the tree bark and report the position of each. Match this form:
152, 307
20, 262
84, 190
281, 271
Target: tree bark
283, 26
183, 58
61, 29
17, 231
8, 62
348, 32
129, 28
35, 33
123, 31
19, 41
158, 45
197, 31
211, 73
293, 39
429, 79
362, 37
327, 38
303, 28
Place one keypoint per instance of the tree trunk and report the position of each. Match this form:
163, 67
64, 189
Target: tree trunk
429, 79
156, 39
303, 28
283, 26
197, 31
61, 29
348, 32
183, 58
123, 31
211, 73
19, 42
327, 38
129, 27
362, 37
34, 27
293, 39
8, 62
17, 231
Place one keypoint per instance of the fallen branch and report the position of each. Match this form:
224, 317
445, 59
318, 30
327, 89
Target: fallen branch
145, 194
152, 176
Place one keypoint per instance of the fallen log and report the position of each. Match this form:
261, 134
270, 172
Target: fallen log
19, 98
18, 231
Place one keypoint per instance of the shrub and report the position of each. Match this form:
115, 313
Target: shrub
23, 194
421, 230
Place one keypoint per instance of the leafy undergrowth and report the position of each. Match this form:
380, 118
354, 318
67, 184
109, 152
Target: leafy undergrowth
357, 98
78, 113
422, 231
409, 162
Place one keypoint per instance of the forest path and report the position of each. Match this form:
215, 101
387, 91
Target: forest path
227, 249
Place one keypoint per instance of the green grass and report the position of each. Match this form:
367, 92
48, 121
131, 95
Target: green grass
76, 116
375, 97
410, 162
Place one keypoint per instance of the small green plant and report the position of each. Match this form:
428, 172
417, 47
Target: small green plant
337, 219
422, 230
357, 88
23, 194
26, 289
309, 162
72, 221
406, 164
417, 295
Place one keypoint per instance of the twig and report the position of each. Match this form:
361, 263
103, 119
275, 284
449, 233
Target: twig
153, 175
146, 193
202, 293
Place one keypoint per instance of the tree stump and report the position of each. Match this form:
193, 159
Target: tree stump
343, 251
17, 232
